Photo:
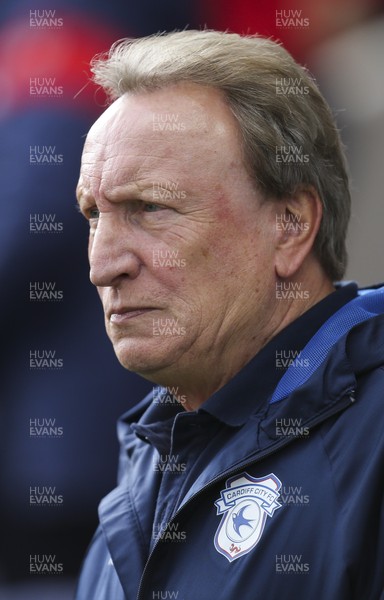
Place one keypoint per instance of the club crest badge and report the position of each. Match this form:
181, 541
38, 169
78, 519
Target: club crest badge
245, 504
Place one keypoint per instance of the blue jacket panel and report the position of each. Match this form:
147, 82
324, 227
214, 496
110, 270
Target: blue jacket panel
288, 505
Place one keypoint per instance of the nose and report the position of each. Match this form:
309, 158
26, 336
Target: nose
112, 257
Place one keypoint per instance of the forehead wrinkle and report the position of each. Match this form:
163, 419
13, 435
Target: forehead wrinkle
137, 171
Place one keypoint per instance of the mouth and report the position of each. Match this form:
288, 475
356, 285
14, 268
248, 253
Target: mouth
125, 314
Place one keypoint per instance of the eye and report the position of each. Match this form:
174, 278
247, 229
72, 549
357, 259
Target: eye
150, 207
93, 213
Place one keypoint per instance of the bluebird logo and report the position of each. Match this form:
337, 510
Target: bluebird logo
245, 504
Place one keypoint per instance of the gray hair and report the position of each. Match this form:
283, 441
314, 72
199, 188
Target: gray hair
276, 103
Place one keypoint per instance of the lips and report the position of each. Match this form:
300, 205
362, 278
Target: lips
119, 315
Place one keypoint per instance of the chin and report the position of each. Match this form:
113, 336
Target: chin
144, 357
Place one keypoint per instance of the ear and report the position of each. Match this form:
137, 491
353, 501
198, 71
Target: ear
297, 225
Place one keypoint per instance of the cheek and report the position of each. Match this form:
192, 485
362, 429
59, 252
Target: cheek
175, 279
102, 294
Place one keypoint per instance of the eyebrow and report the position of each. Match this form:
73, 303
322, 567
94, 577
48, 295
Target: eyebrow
128, 190
78, 193
83, 196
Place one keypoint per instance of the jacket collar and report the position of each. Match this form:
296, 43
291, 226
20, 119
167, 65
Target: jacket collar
359, 310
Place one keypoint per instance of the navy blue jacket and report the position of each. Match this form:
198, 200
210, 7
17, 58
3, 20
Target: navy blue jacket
283, 502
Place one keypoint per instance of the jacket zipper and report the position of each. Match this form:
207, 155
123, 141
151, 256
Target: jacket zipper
350, 399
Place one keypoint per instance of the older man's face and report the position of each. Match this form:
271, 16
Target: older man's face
180, 249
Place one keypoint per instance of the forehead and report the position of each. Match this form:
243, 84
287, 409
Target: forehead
183, 130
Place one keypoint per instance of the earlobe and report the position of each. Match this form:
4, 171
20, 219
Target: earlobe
297, 225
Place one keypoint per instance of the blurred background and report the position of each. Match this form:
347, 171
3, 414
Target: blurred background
61, 386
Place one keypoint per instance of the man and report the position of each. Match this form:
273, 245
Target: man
218, 202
